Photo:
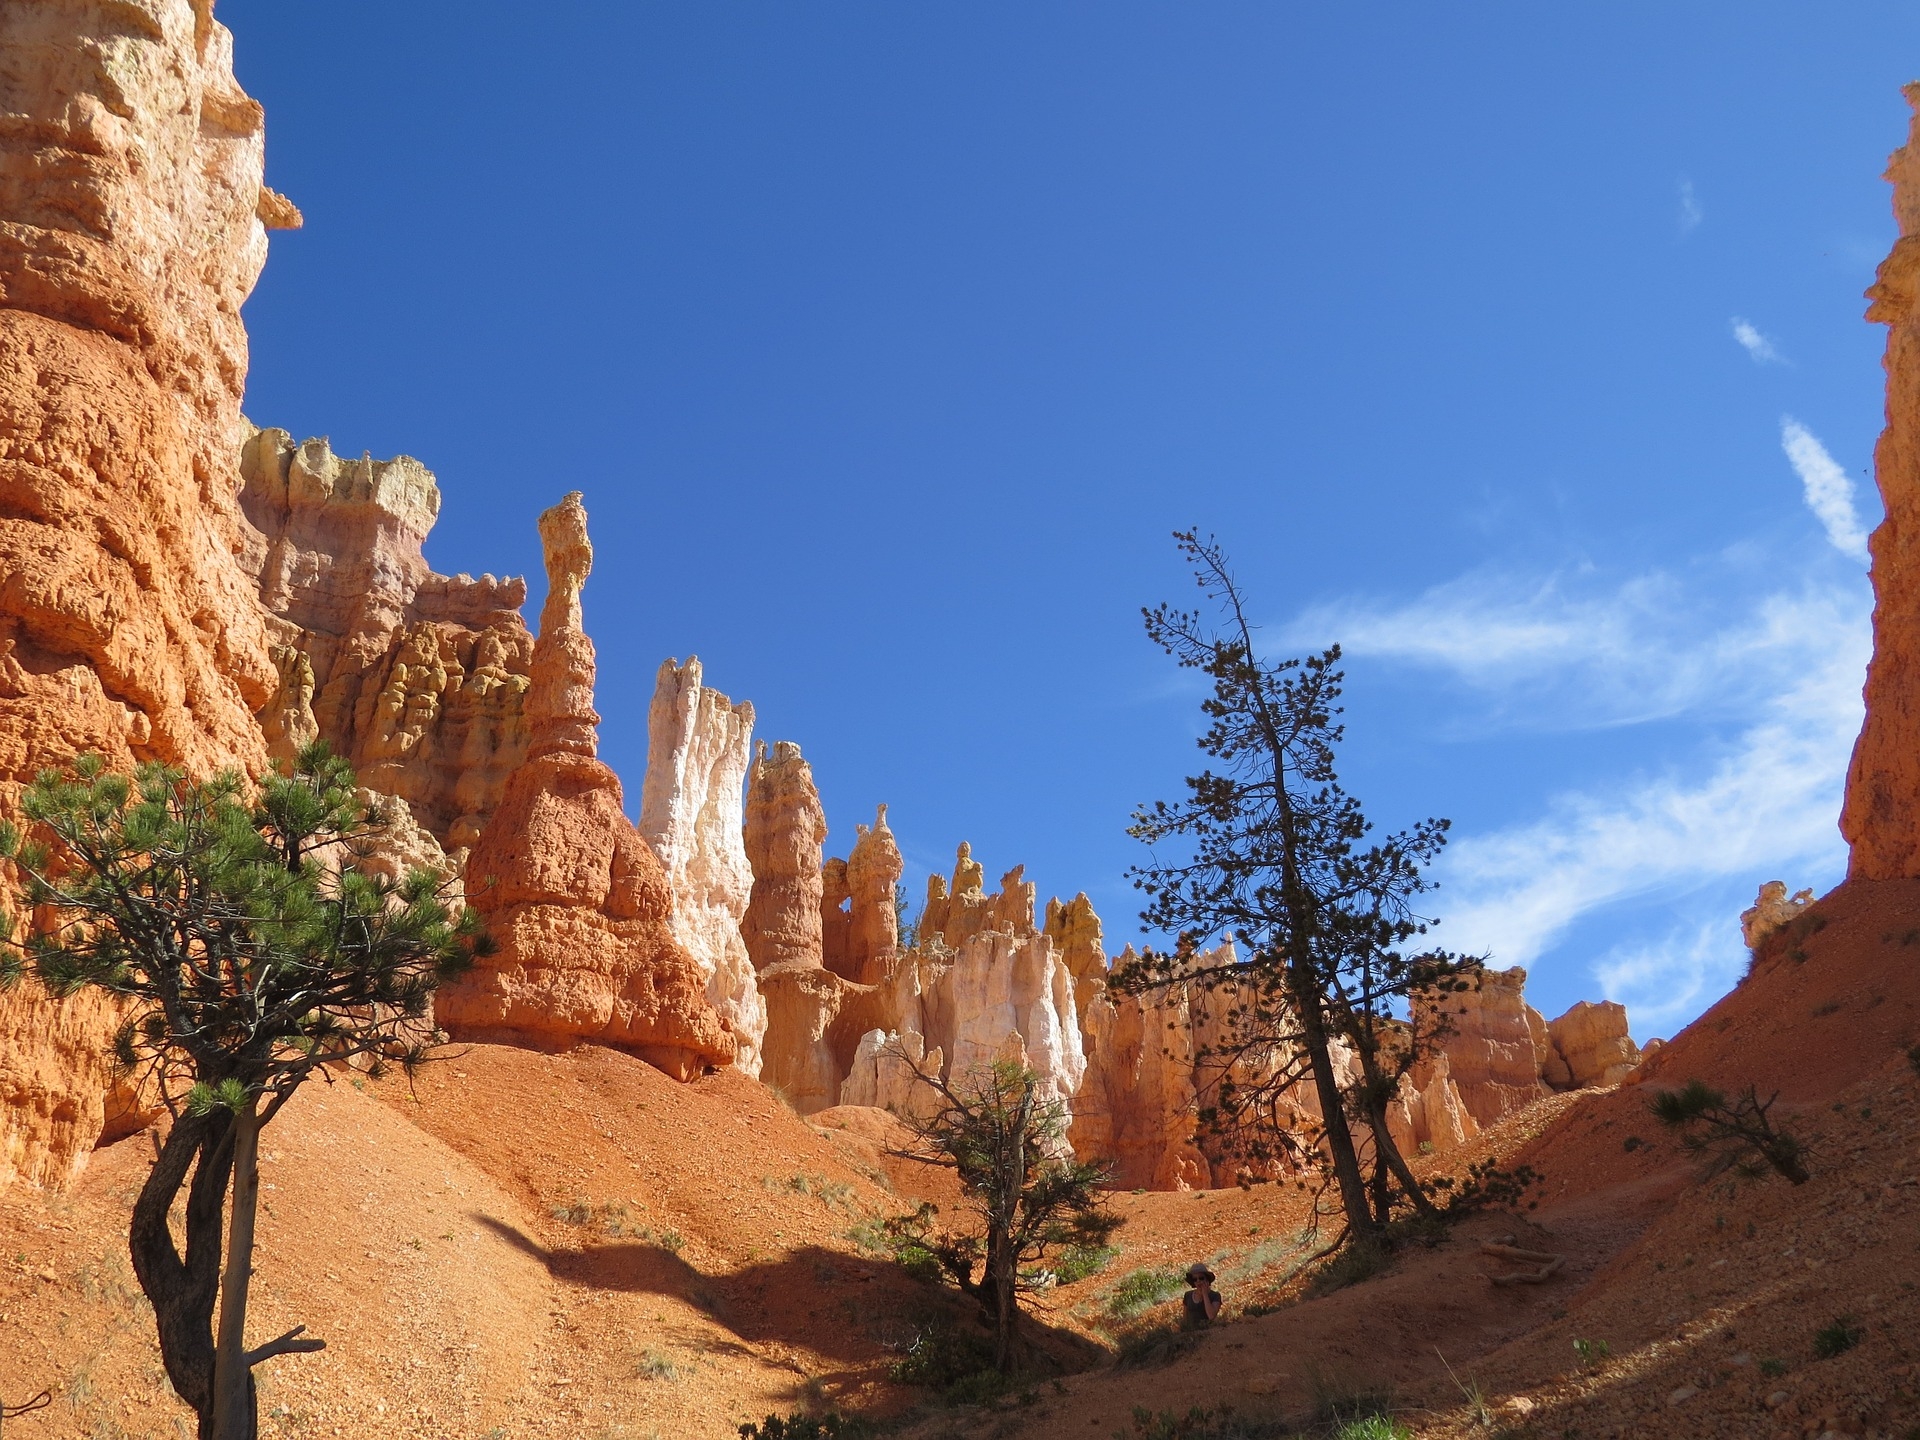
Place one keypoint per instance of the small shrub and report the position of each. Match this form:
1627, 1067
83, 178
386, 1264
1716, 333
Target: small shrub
1141, 1288
1373, 1427
578, 1213
1773, 1369
671, 1241
655, 1366
1731, 1133
802, 1426
1160, 1344
940, 1356
869, 1237
1838, 1338
1341, 1400
1632, 1142
1077, 1262
1592, 1353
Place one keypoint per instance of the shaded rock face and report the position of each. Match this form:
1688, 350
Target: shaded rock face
1136, 1109
1881, 816
576, 900
698, 746
59, 1096
419, 679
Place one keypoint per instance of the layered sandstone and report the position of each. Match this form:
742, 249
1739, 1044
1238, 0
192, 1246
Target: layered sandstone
1881, 816
577, 902
131, 230
698, 747
785, 827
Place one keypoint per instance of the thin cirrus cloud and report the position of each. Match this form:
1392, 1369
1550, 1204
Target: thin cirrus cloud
1691, 213
1768, 683
1828, 490
1761, 350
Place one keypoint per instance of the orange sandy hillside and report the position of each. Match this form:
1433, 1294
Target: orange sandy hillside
1701, 1299
520, 1245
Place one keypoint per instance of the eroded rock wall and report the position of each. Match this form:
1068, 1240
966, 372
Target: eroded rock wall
1881, 816
419, 679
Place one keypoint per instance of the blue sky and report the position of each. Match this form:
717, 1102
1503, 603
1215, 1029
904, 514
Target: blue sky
1519, 348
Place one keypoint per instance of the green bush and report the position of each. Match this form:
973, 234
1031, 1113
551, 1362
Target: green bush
1140, 1288
1077, 1262
1373, 1427
942, 1356
1838, 1338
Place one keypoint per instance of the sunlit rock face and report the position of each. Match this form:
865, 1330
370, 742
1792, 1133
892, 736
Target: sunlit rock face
130, 233
419, 679
577, 901
131, 230
1881, 817
1591, 1039
698, 746
1496, 1044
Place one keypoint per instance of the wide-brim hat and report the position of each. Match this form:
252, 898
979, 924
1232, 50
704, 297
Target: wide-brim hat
1198, 1272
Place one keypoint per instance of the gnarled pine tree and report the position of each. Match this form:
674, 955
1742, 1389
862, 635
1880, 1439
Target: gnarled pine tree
253, 951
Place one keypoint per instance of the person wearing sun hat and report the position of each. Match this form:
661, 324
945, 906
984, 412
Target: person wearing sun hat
1201, 1304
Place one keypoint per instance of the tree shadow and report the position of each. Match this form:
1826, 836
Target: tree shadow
848, 1309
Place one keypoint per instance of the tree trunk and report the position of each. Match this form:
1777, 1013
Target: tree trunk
1333, 1115
233, 1394
182, 1290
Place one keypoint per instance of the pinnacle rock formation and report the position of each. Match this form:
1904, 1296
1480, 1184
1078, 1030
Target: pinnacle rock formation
873, 874
1881, 816
698, 747
1077, 940
1772, 908
578, 903
785, 827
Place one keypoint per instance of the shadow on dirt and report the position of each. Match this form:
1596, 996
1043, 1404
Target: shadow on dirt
852, 1310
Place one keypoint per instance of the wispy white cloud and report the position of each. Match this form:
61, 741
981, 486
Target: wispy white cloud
1672, 978
1829, 492
1691, 213
1562, 652
1759, 347
1767, 800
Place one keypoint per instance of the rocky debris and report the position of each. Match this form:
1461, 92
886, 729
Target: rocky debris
1881, 816
418, 679
1772, 908
1591, 1039
576, 900
698, 747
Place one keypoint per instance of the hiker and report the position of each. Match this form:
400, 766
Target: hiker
1201, 1304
